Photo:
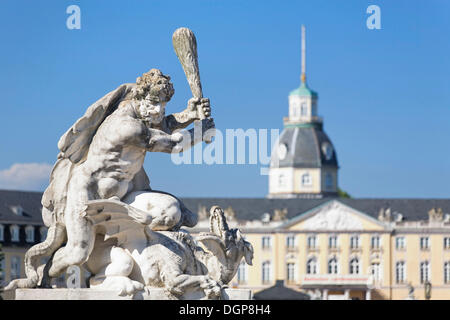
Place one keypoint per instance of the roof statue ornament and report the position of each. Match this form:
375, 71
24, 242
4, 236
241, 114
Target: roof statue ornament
102, 213
436, 214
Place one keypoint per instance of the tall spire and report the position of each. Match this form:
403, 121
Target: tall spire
303, 76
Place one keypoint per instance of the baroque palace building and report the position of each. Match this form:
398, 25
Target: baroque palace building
303, 234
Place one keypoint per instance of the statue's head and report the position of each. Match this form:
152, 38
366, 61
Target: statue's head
152, 92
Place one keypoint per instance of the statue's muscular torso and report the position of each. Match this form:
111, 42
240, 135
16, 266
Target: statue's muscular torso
116, 154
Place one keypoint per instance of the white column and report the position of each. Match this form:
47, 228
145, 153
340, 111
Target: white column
325, 294
368, 294
347, 294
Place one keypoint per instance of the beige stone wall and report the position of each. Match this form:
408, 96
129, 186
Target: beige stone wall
387, 255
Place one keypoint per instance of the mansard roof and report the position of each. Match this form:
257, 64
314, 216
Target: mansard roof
245, 209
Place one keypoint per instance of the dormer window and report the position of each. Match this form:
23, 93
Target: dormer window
306, 179
17, 210
14, 230
29, 232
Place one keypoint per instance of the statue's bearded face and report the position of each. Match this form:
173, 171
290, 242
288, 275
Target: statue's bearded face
152, 93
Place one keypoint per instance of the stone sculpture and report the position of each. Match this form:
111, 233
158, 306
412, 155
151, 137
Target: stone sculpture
101, 211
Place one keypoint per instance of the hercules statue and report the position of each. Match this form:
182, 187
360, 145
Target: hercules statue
101, 157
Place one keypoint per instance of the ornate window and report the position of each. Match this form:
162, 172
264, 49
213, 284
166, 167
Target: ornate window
400, 243
447, 272
306, 179
14, 230
354, 241
333, 267
375, 242
266, 272
400, 272
29, 232
354, 266
242, 273
311, 266
424, 271
311, 242
290, 271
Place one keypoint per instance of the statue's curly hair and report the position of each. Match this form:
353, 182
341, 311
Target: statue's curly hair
155, 83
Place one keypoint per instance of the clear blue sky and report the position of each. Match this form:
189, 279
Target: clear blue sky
384, 94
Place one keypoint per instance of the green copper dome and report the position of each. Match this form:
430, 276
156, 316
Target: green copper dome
303, 91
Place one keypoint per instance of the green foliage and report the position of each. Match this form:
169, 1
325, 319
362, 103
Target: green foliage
343, 194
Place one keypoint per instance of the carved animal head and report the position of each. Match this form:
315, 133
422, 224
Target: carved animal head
227, 245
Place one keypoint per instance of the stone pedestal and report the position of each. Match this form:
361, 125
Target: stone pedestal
90, 294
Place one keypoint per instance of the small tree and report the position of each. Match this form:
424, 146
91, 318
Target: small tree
343, 194
2, 275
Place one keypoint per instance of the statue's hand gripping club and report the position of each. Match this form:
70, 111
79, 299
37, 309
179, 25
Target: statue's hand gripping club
185, 46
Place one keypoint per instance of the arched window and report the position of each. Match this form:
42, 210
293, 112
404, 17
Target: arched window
333, 266
29, 232
400, 272
311, 266
14, 230
242, 273
447, 272
424, 271
354, 266
266, 272
306, 179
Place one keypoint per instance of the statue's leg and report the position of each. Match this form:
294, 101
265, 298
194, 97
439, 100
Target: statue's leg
80, 242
